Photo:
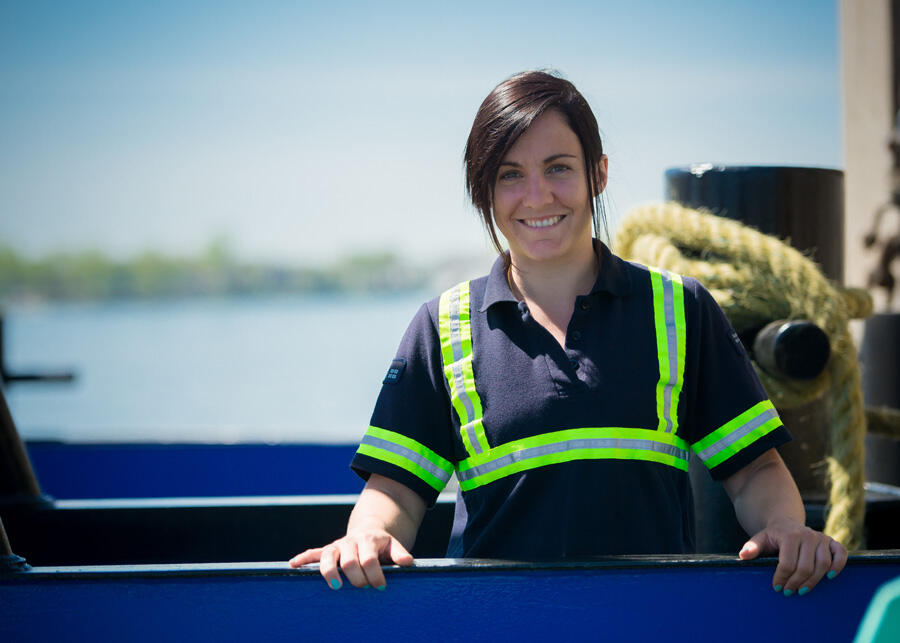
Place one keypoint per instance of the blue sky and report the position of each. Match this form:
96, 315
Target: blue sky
303, 131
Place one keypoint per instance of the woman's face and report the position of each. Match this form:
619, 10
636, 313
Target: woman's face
541, 198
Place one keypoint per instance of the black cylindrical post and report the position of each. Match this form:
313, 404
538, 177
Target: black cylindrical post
880, 361
880, 356
802, 206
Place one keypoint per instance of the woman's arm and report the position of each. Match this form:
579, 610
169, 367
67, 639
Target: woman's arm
768, 505
382, 529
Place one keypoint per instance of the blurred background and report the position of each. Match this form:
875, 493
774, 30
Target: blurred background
221, 216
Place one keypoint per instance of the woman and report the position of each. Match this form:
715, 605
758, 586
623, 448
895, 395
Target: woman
566, 387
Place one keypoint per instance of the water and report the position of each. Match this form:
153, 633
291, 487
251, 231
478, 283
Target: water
301, 368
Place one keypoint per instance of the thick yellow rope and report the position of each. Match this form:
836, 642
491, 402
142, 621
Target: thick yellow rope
757, 279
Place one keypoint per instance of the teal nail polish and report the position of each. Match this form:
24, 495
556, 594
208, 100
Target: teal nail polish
778, 588
380, 588
803, 590
335, 583
831, 574
788, 592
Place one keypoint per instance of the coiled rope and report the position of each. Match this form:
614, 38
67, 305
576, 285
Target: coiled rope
757, 279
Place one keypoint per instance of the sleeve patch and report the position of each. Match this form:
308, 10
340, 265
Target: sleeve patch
736, 343
395, 372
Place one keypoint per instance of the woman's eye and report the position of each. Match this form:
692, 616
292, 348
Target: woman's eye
558, 169
507, 176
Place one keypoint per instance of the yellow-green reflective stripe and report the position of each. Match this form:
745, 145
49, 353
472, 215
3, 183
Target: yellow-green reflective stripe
730, 438
455, 329
408, 454
573, 444
669, 323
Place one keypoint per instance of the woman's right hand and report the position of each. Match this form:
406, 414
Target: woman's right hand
359, 555
381, 530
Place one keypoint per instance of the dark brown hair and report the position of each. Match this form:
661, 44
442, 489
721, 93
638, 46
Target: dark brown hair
503, 117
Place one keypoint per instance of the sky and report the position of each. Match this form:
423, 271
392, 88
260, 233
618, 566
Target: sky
303, 132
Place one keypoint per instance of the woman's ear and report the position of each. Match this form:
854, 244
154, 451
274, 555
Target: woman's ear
601, 172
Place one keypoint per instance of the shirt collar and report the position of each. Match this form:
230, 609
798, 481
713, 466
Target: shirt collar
497, 288
612, 278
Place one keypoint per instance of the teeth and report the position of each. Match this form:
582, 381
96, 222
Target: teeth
541, 223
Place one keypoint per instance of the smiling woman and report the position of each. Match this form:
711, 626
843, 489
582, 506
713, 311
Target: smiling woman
568, 387
541, 202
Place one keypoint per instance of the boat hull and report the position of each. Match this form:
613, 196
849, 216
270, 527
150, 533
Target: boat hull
622, 599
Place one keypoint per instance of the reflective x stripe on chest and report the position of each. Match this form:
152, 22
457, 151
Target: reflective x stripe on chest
485, 463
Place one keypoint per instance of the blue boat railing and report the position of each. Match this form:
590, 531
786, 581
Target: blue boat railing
615, 599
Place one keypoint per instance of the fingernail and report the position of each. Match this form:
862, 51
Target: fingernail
778, 588
803, 590
831, 574
366, 586
335, 583
380, 588
788, 592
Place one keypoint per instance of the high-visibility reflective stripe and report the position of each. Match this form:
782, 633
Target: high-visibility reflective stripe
735, 435
572, 444
671, 345
455, 329
407, 453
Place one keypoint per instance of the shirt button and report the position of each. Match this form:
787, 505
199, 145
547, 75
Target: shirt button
585, 305
574, 363
576, 335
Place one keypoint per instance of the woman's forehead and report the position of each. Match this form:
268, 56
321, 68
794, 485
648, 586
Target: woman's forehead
549, 134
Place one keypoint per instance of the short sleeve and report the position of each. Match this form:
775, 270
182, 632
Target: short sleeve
410, 434
730, 419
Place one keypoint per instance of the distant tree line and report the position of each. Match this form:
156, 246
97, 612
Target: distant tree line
92, 275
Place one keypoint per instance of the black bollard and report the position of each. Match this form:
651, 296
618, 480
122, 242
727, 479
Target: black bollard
804, 206
879, 357
800, 204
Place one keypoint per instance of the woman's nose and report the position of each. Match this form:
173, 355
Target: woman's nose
537, 191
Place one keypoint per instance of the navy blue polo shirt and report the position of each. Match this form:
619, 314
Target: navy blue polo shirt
530, 385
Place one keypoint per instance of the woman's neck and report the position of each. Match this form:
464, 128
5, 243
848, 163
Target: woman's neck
554, 286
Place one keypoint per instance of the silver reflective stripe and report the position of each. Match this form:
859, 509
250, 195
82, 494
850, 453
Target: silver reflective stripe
409, 454
569, 445
672, 346
460, 382
737, 434
473, 437
455, 335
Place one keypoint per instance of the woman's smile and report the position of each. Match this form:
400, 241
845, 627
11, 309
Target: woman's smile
542, 222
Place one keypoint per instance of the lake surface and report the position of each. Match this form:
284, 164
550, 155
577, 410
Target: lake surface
299, 368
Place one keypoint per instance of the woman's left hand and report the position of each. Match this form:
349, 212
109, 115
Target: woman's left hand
768, 505
805, 556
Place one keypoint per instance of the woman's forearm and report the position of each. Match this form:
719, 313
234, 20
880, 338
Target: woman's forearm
764, 492
388, 505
